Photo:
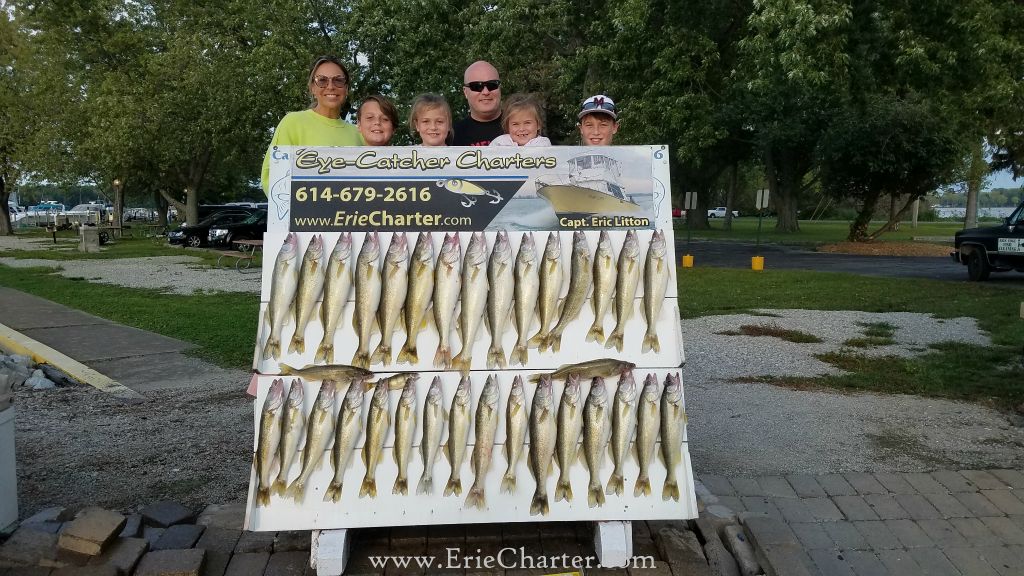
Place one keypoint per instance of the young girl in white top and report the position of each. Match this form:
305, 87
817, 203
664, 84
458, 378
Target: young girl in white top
522, 118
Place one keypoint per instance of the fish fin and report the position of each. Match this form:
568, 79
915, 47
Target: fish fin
443, 357
595, 497
596, 333
296, 489
263, 496
462, 364
324, 352
534, 378
297, 344
563, 491
496, 358
333, 492
529, 464
291, 315
551, 468
615, 484
361, 360
278, 487
408, 354
428, 319
555, 341
642, 487
614, 341
426, 485
368, 488
381, 354
520, 356
508, 483
444, 451
401, 486
454, 486
487, 323
539, 505
476, 499
650, 343
362, 454
401, 318
538, 340
671, 490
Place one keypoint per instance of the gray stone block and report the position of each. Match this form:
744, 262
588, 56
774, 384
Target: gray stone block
179, 537
123, 554
899, 562
865, 563
1007, 560
102, 570
293, 563
806, 486
736, 541
172, 563
252, 542
877, 535
948, 506
52, 514
895, 483
216, 562
977, 504
91, 530
152, 534
917, 506
845, 535
293, 541
836, 485
723, 511
831, 562
49, 527
909, 534
785, 561
746, 487
1007, 531
925, 483
974, 531
166, 513
865, 483
942, 533
766, 531
823, 509
219, 539
223, 516
1006, 501
969, 561
132, 526
28, 547
984, 480
812, 535
759, 506
886, 506
855, 508
718, 485
776, 487
247, 563
720, 561
677, 547
954, 481
933, 562
1014, 478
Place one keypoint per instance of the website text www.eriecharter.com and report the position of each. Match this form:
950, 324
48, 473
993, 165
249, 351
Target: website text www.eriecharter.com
509, 558
382, 218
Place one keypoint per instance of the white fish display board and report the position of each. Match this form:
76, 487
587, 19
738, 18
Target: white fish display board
299, 257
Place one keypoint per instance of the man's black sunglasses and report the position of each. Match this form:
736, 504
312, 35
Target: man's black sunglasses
478, 86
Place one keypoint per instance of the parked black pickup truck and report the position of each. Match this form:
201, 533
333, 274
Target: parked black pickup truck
993, 248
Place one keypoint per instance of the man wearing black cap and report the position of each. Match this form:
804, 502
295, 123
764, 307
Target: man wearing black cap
598, 121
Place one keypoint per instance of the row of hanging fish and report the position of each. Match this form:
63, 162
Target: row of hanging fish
574, 429
400, 290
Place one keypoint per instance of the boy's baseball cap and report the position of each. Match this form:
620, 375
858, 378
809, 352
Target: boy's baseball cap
599, 104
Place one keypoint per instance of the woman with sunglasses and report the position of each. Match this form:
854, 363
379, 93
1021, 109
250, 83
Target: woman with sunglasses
321, 124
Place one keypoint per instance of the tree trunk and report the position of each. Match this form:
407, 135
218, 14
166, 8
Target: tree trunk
784, 183
730, 195
161, 208
6, 229
975, 176
179, 206
895, 219
859, 226
119, 207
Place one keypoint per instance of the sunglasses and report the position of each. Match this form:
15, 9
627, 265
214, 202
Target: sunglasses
337, 81
478, 86
599, 104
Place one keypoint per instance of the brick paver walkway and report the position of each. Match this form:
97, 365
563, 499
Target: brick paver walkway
953, 523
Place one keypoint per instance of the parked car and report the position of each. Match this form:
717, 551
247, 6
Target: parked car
720, 213
252, 228
195, 236
992, 248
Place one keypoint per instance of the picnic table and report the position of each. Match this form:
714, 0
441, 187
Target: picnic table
247, 250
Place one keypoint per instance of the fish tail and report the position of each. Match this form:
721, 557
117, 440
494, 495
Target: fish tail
508, 483
476, 499
614, 341
642, 488
671, 490
401, 486
539, 505
298, 343
382, 354
538, 340
278, 487
651, 343
272, 349
408, 354
496, 358
554, 341
462, 364
368, 487
596, 333
296, 489
443, 357
361, 360
595, 497
426, 485
324, 352
263, 496
333, 492
563, 491
454, 486
615, 485
520, 355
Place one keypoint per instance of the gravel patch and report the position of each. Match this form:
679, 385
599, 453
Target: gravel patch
168, 274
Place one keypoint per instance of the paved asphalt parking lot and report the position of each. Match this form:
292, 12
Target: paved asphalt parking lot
738, 254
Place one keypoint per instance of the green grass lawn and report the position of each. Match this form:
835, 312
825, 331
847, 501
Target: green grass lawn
811, 232
990, 374
66, 249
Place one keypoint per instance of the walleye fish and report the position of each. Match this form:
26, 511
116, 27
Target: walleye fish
605, 273
394, 285
433, 427
623, 429
447, 283
516, 420
346, 436
646, 433
458, 433
319, 434
542, 444
405, 429
580, 278
567, 443
527, 284
483, 447
673, 418
625, 288
367, 281
337, 287
595, 438
589, 369
283, 283
336, 372
655, 284
417, 297
499, 298
269, 439
377, 423
292, 426
310, 286
474, 298
395, 381
549, 290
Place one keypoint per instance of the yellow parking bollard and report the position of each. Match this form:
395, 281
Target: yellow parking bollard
757, 263
687, 261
